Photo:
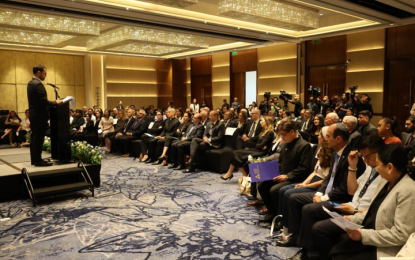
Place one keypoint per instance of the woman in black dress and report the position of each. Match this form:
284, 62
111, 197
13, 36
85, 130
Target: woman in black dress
388, 222
175, 136
13, 123
314, 131
240, 157
242, 122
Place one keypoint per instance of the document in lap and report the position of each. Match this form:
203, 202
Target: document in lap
149, 135
264, 171
340, 221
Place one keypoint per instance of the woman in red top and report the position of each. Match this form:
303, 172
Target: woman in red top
390, 131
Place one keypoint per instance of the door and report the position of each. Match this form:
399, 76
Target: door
330, 79
399, 96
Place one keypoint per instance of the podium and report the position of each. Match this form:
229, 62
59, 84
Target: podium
60, 132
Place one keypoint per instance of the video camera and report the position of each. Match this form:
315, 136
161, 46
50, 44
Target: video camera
316, 92
286, 95
267, 95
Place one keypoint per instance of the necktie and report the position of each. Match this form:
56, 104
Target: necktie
410, 140
190, 131
333, 173
252, 131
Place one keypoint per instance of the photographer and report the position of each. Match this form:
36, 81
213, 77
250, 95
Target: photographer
343, 105
264, 106
313, 106
362, 104
298, 106
324, 104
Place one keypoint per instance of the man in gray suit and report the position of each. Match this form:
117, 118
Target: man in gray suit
38, 114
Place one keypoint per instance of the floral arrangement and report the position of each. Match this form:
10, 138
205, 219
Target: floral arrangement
46, 144
86, 153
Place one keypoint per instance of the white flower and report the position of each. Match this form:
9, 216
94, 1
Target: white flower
100, 157
93, 151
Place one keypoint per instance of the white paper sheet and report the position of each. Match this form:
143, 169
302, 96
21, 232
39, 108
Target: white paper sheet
230, 131
150, 125
71, 101
340, 221
149, 134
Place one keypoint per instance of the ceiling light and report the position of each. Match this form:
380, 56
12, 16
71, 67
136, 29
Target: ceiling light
141, 48
321, 14
30, 37
391, 24
174, 3
48, 23
271, 12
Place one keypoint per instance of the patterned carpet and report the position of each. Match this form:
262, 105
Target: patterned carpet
140, 212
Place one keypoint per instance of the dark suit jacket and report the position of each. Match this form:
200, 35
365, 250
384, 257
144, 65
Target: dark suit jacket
157, 128
295, 160
181, 129
197, 132
89, 129
170, 126
127, 126
405, 139
339, 191
308, 123
367, 130
139, 127
77, 122
230, 123
38, 101
354, 140
258, 130
215, 132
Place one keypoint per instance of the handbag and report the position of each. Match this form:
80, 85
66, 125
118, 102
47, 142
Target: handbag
244, 186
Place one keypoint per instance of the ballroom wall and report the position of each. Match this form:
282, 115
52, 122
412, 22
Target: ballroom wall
65, 71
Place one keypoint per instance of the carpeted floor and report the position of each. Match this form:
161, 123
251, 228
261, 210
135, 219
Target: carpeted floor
140, 212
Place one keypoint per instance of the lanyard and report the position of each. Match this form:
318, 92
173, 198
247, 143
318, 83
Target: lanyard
369, 181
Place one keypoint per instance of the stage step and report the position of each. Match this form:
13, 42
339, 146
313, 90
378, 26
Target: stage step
62, 188
36, 192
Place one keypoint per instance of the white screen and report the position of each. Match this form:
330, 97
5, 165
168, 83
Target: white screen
250, 87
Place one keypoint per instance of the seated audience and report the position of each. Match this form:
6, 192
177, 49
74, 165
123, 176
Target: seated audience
311, 134
181, 147
138, 128
114, 113
107, 125
365, 127
308, 120
129, 121
385, 224
176, 135
23, 130
12, 123
87, 133
354, 136
118, 127
240, 157
242, 122
249, 137
212, 139
77, 122
179, 115
295, 164
389, 130
228, 120
409, 140
154, 129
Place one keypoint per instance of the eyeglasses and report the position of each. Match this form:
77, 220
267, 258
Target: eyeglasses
283, 135
365, 156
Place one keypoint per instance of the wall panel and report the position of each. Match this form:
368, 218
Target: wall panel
7, 67
329, 51
48, 60
8, 100
368, 60
369, 40
79, 71
80, 96
64, 69
368, 81
24, 66
22, 102
277, 52
277, 68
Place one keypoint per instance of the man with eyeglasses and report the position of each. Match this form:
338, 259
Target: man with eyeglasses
324, 233
334, 186
295, 164
249, 137
408, 138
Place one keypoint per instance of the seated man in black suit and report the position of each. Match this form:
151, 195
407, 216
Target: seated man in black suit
77, 122
180, 148
334, 186
355, 138
365, 127
138, 128
212, 139
409, 139
126, 129
308, 120
228, 120
249, 138
154, 129
295, 163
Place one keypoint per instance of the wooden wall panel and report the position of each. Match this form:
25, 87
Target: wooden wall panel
220, 73
79, 71
244, 61
220, 59
144, 90
179, 83
400, 41
64, 69
220, 88
22, 102
329, 51
119, 89
201, 79
119, 76
47, 60
145, 102
278, 68
113, 101
238, 87
80, 96
368, 40
120, 62
24, 67
143, 76
201, 66
368, 60
274, 85
277, 52
164, 82
8, 100
7, 67
367, 81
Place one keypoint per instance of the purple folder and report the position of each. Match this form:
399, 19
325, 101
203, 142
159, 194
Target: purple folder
264, 171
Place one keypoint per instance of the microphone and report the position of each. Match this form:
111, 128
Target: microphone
347, 63
50, 84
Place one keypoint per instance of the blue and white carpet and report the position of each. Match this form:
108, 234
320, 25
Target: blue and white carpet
140, 212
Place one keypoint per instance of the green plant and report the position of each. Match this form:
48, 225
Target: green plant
46, 144
86, 153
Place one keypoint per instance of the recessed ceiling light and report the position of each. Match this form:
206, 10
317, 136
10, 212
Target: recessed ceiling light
320, 14
127, 8
205, 22
267, 32
239, 28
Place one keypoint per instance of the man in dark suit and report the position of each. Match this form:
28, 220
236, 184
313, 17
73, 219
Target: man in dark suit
77, 122
212, 139
180, 148
308, 120
409, 139
355, 138
115, 139
120, 107
228, 120
334, 186
365, 127
38, 114
154, 129
138, 128
249, 138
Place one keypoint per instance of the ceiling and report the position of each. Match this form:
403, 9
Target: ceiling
200, 27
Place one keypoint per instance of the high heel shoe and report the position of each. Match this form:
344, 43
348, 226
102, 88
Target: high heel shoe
164, 163
227, 179
161, 159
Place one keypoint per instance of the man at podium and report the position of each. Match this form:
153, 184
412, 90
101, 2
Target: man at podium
38, 114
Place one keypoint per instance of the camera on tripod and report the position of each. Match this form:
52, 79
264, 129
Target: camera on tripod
267, 95
315, 91
286, 95
353, 89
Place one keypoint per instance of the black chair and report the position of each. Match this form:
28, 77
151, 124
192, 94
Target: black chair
218, 160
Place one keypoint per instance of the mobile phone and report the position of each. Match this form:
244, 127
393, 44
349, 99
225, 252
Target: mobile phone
334, 204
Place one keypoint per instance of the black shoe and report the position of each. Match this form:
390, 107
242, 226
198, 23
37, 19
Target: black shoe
190, 162
189, 169
179, 167
267, 219
172, 166
161, 159
301, 255
227, 179
43, 164
290, 242
149, 161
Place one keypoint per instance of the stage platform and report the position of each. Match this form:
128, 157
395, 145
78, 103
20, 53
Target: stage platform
13, 160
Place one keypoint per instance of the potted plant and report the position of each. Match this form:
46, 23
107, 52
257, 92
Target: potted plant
91, 157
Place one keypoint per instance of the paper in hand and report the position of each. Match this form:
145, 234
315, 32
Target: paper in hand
340, 221
149, 134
